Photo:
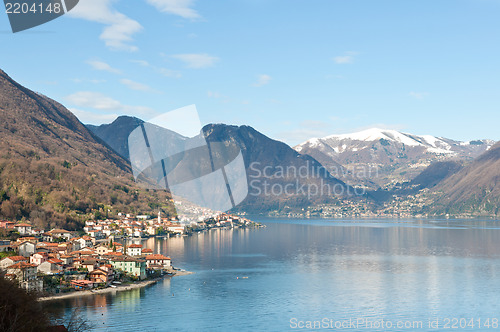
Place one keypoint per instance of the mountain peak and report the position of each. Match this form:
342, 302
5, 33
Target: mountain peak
374, 134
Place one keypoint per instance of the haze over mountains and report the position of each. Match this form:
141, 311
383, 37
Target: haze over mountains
390, 155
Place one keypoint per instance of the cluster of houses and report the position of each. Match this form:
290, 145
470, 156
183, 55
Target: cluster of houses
95, 259
132, 226
84, 261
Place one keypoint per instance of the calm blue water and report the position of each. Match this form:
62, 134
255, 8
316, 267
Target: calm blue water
385, 275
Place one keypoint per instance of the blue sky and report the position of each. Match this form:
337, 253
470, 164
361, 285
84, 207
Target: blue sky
291, 69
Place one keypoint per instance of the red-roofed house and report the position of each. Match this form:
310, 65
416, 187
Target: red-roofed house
51, 266
134, 250
38, 258
103, 274
158, 260
8, 261
23, 228
82, 284
7, 224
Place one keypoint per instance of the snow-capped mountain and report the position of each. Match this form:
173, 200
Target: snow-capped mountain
396, 155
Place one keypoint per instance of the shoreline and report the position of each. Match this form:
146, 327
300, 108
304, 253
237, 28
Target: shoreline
121, 288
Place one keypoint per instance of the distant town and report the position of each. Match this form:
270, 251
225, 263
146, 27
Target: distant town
59, 261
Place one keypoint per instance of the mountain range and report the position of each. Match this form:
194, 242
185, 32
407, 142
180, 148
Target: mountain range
379, 157
475, 189
264, 159
53, 170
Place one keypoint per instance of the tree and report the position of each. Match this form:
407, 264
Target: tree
19, 310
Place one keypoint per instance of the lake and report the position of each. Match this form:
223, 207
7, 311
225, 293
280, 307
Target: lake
355, 275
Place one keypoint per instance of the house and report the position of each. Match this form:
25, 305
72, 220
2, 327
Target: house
89, 264
74, 244
82, 284
137, 232
103, 250
89, 223
85, 242
7, 224
96, 234
151, 229
130, 265
71, 246
38, 258
103, 274
134, 250
5, 246
67, 260
27, 248
98, 277
47, 247
62, 248
85, 253
176, 229
23, 228
118, 246
51, 266
37, 232
108, 232
147, 252
158, 261
27, 238
8, 261
25, 274
60, 233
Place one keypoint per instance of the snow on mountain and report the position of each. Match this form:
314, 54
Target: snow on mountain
375, 134
396, 156
357, 141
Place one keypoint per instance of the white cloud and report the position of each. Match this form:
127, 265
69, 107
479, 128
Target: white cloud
143, 63
168, 72
101, 102
345, 59
101, 65
180, 8
197, 61
93, 100
135, 85
93, 118
418, 95
119, 28
263, 79
163, 71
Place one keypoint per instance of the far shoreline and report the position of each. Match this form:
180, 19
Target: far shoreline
108, 290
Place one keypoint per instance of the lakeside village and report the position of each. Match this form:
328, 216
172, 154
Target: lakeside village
60, 261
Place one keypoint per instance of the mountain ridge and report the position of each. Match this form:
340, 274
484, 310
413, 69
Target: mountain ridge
393, 156
53, 170
259, 152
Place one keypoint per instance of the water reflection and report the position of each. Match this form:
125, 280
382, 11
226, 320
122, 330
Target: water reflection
257, 279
